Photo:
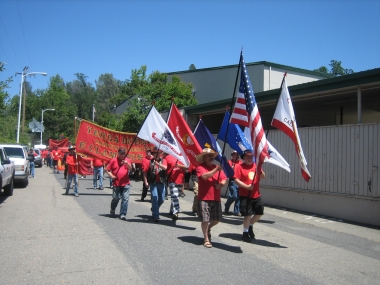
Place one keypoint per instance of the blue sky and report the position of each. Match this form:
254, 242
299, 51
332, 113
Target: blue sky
95, 37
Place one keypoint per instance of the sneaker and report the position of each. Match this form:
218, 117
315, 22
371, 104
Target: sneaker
94, 187
182, 195
226, 211
101, 188
112, 212
156, 220
250, 232
122, 217
246, 237
77, 195
175, 217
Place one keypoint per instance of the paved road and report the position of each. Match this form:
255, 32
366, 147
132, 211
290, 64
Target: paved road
49, 238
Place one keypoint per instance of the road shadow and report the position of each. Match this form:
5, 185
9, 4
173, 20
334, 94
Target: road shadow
236, 220
237, 237
167, 223
199, 242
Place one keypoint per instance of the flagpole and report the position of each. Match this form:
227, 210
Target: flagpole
232, 105
134, 139
278, 98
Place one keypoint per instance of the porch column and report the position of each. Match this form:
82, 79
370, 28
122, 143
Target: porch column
359, 105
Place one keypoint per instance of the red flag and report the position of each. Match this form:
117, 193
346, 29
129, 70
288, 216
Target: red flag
184, 135
285, 120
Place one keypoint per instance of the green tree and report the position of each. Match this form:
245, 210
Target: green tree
3, 86
107, 87
62, 119
83, 95
335, 70
192, 67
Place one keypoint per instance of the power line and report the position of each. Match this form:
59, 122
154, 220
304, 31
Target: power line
22, 27
11, 46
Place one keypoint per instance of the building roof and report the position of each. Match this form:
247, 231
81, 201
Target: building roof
265, 63
335, 89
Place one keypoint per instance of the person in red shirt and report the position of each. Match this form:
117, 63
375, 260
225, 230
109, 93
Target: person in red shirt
118, 169
251, 205
145, 167
72, 160
176, 173
233, 195
210, 180
56, 155
98, 166
158, 167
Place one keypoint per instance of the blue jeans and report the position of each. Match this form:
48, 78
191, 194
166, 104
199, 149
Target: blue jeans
70, 178
32, 168
233, 196
157, 191
120, 192
98, 171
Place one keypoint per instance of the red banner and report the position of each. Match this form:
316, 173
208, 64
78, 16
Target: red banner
58, 143
96, 141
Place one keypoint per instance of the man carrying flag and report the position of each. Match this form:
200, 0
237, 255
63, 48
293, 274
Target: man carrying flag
285, 120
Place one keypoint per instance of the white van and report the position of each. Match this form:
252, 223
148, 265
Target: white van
19, 155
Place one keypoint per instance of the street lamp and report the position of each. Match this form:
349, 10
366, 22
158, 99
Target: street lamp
24, 73
42, 120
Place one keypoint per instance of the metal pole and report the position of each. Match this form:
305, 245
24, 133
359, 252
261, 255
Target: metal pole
42, 120
359, 105
19, 110
23, 109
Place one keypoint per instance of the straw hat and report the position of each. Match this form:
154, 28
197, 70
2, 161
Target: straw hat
204, 152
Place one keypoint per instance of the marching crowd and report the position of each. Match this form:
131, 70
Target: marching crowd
164, 175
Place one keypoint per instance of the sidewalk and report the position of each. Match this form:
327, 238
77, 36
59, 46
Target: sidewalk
46, 238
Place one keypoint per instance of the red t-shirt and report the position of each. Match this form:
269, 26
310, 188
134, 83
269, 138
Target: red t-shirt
145, 164
206, 188
175, 174
97, 162
71, 160
120, 171
56, 154
245, 173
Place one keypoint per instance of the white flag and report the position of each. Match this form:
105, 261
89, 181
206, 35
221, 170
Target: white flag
285, 120
274, 156
156, 131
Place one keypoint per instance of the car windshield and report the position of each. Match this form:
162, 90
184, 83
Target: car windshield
15, 152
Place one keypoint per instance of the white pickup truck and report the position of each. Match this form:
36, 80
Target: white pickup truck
7, 173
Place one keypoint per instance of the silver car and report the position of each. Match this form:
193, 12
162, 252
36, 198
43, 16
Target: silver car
38, 158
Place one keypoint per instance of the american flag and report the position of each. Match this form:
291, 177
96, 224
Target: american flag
247, 114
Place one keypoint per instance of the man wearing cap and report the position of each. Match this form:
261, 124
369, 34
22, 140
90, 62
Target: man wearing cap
145, 168
72, 170
157, 186
118, 169
233, 195
210, 180
251, 205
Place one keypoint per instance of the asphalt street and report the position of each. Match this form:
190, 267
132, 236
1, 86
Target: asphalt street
50, 238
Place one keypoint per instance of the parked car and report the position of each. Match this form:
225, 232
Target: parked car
7, 173
19, 155
38, 158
